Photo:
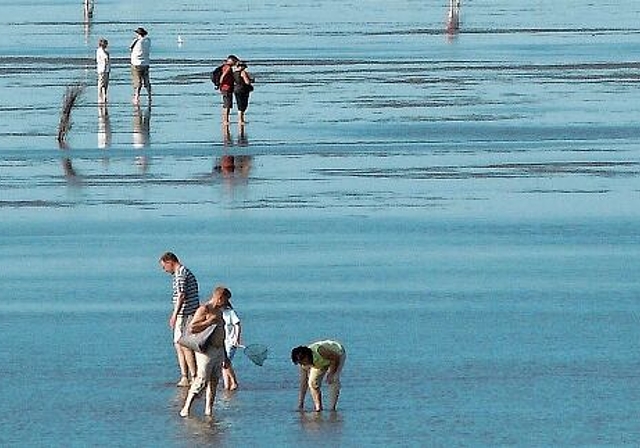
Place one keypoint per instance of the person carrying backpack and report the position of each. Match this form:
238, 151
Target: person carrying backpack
223, 79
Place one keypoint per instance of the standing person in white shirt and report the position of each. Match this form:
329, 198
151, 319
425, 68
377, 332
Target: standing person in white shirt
140, 49
103, 68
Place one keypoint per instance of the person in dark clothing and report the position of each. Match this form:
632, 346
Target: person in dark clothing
243, 86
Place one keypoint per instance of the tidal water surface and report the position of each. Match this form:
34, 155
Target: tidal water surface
460, 210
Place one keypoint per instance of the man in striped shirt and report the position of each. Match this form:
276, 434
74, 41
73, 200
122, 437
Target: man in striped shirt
185, 304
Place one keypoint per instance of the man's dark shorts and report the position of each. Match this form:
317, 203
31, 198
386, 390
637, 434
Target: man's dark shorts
227, 99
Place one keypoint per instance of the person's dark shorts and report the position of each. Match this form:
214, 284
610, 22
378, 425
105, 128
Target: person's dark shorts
242, 100
227, 99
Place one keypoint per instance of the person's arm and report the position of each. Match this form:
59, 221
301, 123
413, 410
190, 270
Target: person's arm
334, 361
176, 308
238, 334
226, 72
246, 77
203, 319
179, 279
304, 385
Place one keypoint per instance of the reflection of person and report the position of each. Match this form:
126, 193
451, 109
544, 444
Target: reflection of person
232, 330
140, 60
242, 88
316, 360
185, 304
243, 165
88, 15
103, 68
226, 87
104, 127
141, 126
88, 8
453, 17
227, 165
210, 362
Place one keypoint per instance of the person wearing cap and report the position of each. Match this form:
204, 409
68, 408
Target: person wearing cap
140, 49
316, 360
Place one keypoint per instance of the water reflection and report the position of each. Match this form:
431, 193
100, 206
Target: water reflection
198, 429
453, 19
141, 126
68, 170
87, 11
104, 127
70, 173
141, 134
323, 426
233, 167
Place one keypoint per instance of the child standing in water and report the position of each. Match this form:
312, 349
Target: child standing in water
103, 68
232, 340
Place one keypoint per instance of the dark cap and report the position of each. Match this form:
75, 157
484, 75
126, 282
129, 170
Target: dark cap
141, 31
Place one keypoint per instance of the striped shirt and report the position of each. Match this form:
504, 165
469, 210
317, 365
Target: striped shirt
185, 282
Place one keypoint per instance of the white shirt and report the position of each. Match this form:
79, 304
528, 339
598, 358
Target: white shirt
140, 49
231, 320
103, 65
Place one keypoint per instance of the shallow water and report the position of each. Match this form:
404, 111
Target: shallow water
461, 211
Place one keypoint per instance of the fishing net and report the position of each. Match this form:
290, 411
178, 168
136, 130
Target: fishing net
257, 353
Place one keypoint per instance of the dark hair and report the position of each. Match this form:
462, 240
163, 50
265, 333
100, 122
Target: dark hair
233, 57
169, 256
301, 352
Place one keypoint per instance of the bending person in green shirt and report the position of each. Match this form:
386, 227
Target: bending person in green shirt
316, 360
